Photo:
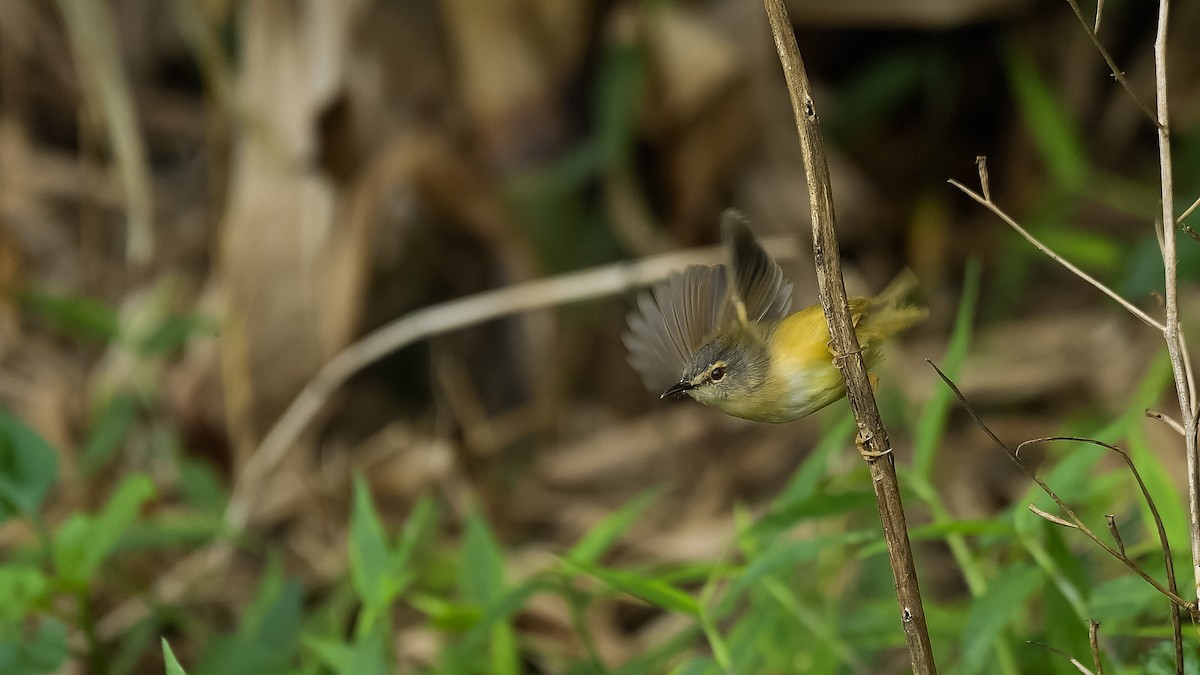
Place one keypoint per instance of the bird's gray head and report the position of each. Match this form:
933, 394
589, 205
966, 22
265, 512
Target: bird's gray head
735, 361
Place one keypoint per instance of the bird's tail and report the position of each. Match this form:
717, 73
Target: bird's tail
890, 312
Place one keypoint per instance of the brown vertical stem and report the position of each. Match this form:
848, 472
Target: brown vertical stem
873, 439
1175, 346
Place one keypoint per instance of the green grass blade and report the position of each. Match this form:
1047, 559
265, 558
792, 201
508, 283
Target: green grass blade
28, 468
368, 552
603, 534
932, 422
654, 591
172, 663
991, 612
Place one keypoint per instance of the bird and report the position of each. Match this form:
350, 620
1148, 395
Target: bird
725, 336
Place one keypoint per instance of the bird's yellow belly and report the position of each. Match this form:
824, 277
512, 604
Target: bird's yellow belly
802, 379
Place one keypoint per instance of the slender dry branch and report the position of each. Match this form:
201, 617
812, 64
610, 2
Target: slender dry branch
1008, 220
1180, 363
1094, 643
1163, 543
1046, 515
1166, 419
1074, 661
872, 436
1115, 532
1075, 520
1112, 65
1188, 212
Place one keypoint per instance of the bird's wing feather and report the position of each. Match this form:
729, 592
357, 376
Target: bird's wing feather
756, 279
673, 321
680, 314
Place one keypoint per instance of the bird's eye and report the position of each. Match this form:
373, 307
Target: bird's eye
716, 374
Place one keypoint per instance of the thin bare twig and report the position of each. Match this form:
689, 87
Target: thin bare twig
1163, 542
1166, 419
1099, 14
1094, 643
1188, 212
108, 96
872, 436
995, 209
1188, 605
1045, 515
1188, 370
1112, 65
1115, 532
1180, 367
1074, 661
985, 183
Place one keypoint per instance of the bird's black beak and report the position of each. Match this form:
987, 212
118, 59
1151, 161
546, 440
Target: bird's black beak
677, 388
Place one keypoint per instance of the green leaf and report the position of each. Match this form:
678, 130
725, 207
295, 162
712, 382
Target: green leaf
1054, 133
805, 481
22, 589
446, 615
991, 612
172, 663
654, 591
45, 651
932, 422
481, 576
787, 554
273, 618
109, 430
990, 527
76, 315
603, 534
817, 506
339, 657
416, 530
174, 332
367, 655
82, 543
28, 468
201, 487
1124, 603
618, 101
369, 559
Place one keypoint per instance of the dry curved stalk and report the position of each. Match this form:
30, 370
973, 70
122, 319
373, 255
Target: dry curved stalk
1094, 643
1115, 532
1117, 73
1074, 661
1164, 544
990, 205
872, 436
1187, 605
1181, 366
1166, 419
1180, 362
1184, 216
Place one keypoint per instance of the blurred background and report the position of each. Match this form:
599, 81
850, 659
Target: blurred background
202, 202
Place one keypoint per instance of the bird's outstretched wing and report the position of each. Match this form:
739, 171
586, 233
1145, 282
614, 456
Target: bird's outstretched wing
680, 314
673, 321
760, 291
